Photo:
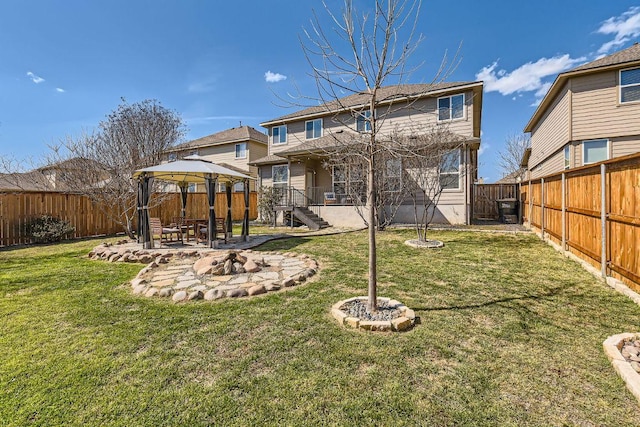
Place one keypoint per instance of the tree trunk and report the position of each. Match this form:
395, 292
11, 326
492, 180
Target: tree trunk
371, 197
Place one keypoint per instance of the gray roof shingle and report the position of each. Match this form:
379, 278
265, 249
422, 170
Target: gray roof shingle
629, 54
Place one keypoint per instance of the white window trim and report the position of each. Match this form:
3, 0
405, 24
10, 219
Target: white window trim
464, 108
321, 128
620, 86
273, 139
593, 140
567, 157
459, 173
273, 175
246, 148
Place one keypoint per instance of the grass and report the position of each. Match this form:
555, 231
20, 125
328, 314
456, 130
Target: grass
511, 334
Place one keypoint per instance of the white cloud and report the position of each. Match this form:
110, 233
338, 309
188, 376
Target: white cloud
483, 148
274, 77
60, 90
527, 77
34, 78
625, 27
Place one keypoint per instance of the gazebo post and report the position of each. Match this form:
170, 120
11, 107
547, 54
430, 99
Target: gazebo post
139, 212
229, 222
210, 185
245, 221
184, 189
146, 226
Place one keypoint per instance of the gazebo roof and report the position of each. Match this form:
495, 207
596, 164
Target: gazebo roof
192, 169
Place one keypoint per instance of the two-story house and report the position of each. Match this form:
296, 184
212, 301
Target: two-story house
295, 158
233, 148
591, 113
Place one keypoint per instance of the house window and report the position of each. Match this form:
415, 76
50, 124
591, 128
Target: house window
450, 171
630, 85
313, 128
567, 159
279, 135
363, 121
340, 181
241, 150
280, 175
451, 107
192, 188
193, 152
594, 151
349, 183
173, 157
222, 187
393, 175
238, 187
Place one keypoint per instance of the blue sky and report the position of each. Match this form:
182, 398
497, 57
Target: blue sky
65, 65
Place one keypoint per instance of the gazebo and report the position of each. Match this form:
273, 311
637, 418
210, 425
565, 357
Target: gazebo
191, 170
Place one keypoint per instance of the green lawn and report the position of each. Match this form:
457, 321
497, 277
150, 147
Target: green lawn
511, 334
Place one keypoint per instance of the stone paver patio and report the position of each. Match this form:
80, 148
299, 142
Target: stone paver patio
185, 276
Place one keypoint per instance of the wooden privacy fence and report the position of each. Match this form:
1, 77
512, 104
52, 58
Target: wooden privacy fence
17, 209
593, 212
485, 196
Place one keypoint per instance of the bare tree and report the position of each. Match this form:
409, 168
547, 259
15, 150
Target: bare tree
431, 166
365, 55
511, 156
131, 137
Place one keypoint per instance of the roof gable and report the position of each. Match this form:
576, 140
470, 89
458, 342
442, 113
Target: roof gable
618, 60
239, 134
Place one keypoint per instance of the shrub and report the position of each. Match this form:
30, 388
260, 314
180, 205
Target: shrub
47, 229
267, 199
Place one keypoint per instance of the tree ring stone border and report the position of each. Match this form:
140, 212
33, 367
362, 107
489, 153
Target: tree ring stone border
403, 322
428, 244
613, 349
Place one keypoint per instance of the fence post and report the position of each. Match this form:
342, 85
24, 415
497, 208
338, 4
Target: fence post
542, 208
603, 220
530, 203
564, 211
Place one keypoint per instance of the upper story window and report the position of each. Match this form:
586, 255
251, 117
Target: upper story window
313, 128
193, 152
173, 157
241, 150
451, 107
567, 158
363, 121
279, 134
630, 85
595, 150
450, 171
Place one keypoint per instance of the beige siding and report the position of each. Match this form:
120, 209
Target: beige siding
402, 117
596, 110
625, 146
553, 164
552, 131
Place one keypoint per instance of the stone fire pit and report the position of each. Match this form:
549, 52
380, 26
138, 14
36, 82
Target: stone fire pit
391, 315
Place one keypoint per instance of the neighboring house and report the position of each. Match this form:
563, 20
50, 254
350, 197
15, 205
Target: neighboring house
296, 141
591, 113
233, 148
512, 178
62, 176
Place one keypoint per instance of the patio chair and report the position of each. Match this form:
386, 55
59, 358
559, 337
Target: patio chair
330, 198
220, 228
165, 233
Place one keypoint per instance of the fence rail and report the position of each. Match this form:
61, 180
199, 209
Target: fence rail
18, 208
593, 212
